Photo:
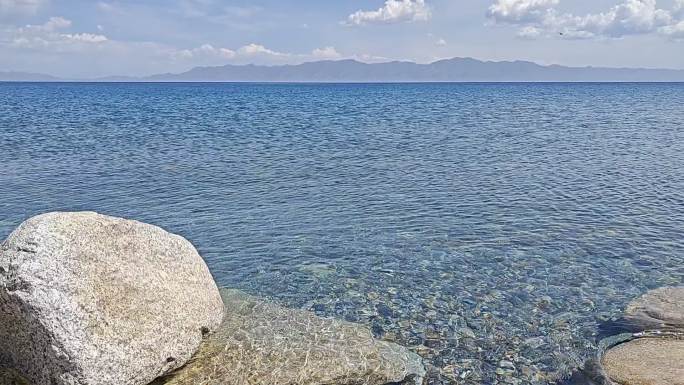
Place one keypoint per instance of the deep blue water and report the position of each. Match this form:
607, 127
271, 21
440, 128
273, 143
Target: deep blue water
473, 222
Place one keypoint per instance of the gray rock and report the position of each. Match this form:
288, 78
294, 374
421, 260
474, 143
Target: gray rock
89, 299
654, 355
646, 361
261, 343
661, 308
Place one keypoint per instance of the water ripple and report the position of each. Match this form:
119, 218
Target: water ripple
475, 223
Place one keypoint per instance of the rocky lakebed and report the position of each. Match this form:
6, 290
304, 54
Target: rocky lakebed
89, 299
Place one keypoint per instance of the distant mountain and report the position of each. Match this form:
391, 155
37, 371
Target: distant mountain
116, 79
450, 70
13, 76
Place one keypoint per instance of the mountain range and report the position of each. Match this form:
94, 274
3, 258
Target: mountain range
449, 70
13, 76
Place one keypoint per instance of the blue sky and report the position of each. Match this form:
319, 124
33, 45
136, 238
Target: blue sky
97, 38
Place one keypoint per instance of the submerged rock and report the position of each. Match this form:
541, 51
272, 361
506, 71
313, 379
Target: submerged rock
646, 361
662, 308
261, 343
90, 299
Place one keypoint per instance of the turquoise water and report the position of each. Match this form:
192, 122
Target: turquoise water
475, 223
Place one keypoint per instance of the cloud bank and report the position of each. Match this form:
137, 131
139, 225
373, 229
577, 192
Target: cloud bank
50, 35
255, 53
58, 39
541, 18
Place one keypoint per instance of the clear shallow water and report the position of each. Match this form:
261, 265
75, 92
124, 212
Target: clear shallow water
473, 222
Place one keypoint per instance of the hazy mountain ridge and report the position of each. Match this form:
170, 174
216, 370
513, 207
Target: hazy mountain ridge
17, 76
448, 70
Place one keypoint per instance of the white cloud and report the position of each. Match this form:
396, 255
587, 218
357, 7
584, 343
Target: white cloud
520, 10
85, 37
48, 36
393, 11
203, 51
675, 31
368, 58
252, 53
258, 49
538, 18
628, 18
258, 54
679, 6
439, 42
11, 7
529, 32
209, 54
326, 53
54, 23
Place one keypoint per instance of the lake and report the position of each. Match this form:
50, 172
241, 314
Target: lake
493, 228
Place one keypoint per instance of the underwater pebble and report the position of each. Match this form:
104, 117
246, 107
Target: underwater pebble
541, 314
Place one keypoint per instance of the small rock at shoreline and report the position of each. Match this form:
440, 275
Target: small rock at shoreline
646, 361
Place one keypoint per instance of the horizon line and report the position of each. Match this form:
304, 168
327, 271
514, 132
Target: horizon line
350, 60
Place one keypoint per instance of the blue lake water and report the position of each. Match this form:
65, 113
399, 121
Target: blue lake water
474, 223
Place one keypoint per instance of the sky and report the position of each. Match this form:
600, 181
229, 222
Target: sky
84, 39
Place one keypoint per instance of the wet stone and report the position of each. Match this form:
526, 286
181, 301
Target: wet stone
261, 343
657, 358
450, 372
661, 308
506, 368
384, 310
466, 332
534, 342
377, 331
474, 314
646, 361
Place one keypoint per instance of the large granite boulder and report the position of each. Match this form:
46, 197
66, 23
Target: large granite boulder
90, 299
262, 343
